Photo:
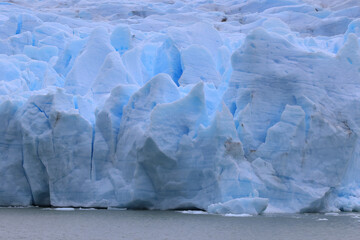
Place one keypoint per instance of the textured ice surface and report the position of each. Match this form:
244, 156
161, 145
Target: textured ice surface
240, 206
226, 106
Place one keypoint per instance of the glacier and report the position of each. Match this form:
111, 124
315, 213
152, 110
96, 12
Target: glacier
236, 106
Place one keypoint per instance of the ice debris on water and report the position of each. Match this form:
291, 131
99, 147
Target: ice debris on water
238, 215
194, 212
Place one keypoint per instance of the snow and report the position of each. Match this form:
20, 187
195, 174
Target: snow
233, 107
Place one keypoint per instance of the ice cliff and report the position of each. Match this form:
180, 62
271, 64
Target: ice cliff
228, 106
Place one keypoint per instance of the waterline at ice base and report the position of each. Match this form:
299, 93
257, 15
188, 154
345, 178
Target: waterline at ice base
236, 106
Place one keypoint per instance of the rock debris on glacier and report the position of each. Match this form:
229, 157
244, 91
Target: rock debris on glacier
230, 106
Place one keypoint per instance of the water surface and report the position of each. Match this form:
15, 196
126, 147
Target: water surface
38, 223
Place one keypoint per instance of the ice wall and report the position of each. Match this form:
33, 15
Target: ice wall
226, 106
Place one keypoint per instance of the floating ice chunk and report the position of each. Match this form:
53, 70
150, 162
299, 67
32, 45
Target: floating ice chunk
64, 209
194, 212
116, 209
87, 209
237, 215
332, 214
251, 206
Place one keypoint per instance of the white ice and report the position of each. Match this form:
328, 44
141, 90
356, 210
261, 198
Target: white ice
228, 106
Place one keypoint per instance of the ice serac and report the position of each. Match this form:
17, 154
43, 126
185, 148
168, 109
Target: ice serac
121, 38
111, 74
198, 66
291, 112
89, 62
15, 189
233, 107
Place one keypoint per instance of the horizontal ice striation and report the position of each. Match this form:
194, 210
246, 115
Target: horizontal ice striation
225, 106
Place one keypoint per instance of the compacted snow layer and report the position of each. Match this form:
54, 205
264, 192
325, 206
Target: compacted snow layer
226, 106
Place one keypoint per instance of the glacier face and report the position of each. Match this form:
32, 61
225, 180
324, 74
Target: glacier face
228, 106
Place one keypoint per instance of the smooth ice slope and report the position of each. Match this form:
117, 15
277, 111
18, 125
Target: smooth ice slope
237, 106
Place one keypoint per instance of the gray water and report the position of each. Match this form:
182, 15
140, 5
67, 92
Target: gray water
37, 223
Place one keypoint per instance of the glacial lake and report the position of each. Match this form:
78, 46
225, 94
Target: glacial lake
43, 223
